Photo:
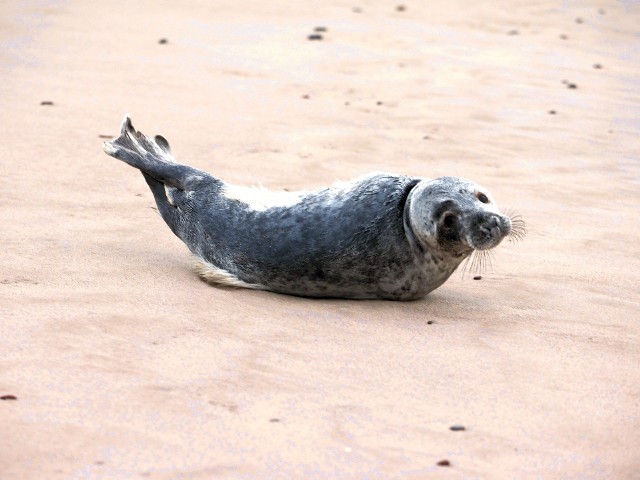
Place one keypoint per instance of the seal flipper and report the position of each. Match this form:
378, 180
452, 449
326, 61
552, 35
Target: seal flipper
170, 213
153, 157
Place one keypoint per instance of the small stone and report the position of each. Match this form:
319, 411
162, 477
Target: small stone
315, 36
430, 322
602, 11
478, 277
105, 136
579, 20
320, 29
274, 420
513, 32
46, 102
347, 103
8, 397
379, 103
457, 428
356, 10
597, 66
163, 41
401, 8
444, 463
426, 137
305, 96
572, 85
564, 37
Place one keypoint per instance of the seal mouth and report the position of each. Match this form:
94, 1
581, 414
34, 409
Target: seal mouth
488, 230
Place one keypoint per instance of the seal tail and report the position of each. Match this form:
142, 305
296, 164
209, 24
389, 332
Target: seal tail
152, 156
168, 181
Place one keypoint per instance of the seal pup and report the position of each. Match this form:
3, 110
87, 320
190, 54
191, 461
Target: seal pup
381, 236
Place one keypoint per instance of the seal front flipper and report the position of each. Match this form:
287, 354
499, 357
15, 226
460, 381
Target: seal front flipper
153, 157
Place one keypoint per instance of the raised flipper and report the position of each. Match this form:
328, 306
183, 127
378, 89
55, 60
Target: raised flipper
153, 157
171, 183
169, 212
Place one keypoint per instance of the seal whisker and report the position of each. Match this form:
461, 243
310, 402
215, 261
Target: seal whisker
481, 265
518, 228
478, 263
465, 265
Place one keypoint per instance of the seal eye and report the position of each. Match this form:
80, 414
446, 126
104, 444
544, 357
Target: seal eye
482, 197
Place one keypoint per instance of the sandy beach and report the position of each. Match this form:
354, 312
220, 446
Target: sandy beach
117, 362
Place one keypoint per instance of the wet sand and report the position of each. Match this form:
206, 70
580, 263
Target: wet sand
124, 365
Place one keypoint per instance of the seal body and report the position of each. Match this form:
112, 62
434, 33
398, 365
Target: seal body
381, 236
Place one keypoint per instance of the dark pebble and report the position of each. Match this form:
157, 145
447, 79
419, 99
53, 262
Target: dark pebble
163, 41
430, 322
444, 463
579, 20
379, 103
478, 277
347, 103
306, 97
401, 8
320, 29
602, 11
552, 112
8, 397
457, 428
597, 66
572, 85
426, 137
105, 136
46, 102
564, 37
274, 420
315, 36
513, 32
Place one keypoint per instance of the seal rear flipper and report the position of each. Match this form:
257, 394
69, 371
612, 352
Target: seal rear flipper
169, 212
153, 157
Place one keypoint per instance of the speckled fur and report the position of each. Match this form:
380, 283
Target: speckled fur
381, 236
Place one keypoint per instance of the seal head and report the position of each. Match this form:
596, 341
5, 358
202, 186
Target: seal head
455, 216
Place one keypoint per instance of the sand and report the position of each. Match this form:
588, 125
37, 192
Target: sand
125, 365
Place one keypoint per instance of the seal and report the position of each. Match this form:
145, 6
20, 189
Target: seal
381, 236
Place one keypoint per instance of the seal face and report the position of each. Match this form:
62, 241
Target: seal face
380, 236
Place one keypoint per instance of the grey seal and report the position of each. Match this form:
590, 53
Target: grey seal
381, 236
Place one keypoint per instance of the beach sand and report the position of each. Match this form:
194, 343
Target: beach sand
125, 365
